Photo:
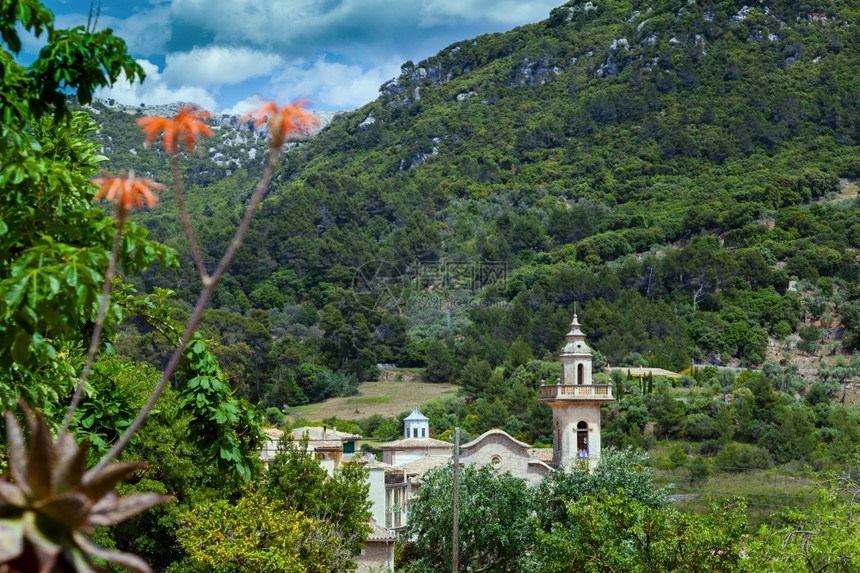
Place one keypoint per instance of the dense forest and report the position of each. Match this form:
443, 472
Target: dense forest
682, 175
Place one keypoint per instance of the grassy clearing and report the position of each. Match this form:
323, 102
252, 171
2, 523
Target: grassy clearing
848, 191
384, 398
767, 492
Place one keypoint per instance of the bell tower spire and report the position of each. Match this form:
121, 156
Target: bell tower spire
575, 357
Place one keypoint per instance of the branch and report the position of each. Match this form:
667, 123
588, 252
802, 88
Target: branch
186, 220
698, 293
100, 321
209, 284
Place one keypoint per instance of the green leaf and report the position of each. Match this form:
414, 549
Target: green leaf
15, 292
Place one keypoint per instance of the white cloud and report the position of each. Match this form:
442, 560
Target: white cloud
305, 27
507, 13
324, 25
252, 20
244, 106
146, 32
334, 85
335, 52
154, 91
218, 65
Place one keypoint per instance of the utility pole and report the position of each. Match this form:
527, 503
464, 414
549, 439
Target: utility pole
455, 535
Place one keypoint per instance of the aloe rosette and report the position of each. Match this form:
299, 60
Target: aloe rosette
50, 503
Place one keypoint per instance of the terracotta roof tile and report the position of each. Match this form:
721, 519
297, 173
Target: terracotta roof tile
415, 443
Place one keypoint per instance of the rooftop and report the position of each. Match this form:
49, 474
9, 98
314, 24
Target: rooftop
321, 433
640, 372
416, 415
417, 443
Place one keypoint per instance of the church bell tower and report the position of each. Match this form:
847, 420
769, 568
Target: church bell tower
576, 403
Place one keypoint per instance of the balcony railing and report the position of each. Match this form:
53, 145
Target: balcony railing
577, 391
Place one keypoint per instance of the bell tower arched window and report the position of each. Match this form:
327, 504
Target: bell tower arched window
582, 437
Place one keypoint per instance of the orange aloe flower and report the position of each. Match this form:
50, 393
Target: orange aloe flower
290, 120
187, 123
127, 190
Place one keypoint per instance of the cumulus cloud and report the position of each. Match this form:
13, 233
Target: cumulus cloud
333, 85
218, 65
155, 91
503, 13
335, 52
304, 27
248, 104
145, 32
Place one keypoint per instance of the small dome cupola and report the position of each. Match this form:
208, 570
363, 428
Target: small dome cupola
575, 340
416, 425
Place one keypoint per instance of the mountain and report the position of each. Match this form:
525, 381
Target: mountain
234, 144
682, 171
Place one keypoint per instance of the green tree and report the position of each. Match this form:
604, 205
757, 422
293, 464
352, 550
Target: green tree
253, 533
625, 471
824, 537
494, 515
809, 339
614, 532
670, 414
519, 353
54, 244
440, 363
474, 377
339, 503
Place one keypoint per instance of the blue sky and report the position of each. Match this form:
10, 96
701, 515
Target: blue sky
228, 55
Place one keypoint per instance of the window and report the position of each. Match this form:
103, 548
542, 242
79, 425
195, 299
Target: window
582, 439
414, 432
424, 435
397, 508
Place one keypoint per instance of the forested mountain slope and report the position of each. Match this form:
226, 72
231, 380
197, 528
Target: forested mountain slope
668, 166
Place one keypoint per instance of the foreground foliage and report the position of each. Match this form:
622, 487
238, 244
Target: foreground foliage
823, 538
251, 534
297, 519
614, 532
494, 528
614, 520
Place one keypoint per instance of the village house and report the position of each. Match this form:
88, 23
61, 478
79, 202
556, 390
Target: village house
378, 552
330, 447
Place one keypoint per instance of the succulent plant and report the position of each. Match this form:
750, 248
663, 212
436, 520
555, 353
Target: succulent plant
53, 503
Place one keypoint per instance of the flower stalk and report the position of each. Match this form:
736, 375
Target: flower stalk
283, 123
127, 191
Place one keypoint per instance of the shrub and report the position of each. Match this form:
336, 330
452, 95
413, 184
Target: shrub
699, 469
736, 457
274, 416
